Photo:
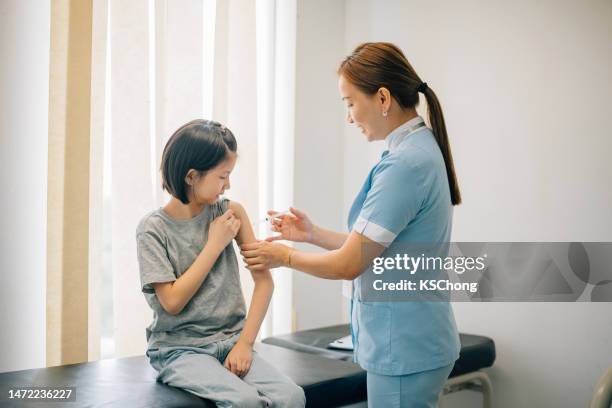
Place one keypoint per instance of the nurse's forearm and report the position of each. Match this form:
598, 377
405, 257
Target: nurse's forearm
347, 262
327, 239
333, 264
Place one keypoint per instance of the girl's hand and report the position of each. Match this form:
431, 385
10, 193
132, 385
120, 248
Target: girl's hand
239, 359
223, 229
295, 227
263, 255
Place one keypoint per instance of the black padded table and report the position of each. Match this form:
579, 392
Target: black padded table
329, 377
476, 351
130, 382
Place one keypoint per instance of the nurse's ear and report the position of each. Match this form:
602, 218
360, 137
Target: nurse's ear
384, 97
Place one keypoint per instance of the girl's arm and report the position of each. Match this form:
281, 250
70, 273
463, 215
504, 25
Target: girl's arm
239, 359
173, 296
264, 285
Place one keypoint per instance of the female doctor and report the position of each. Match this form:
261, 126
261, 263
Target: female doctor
407, 348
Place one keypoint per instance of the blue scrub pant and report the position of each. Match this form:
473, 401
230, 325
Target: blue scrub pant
417, 390
200, 371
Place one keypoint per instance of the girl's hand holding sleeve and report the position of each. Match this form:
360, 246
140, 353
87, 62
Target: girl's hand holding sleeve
223, 229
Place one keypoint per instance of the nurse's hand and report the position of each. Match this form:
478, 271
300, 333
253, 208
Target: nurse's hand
295, 226
263, 255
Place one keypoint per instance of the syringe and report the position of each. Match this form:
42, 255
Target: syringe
269, 218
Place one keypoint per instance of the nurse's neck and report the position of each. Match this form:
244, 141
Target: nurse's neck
397, 117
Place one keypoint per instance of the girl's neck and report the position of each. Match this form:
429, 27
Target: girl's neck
176, 209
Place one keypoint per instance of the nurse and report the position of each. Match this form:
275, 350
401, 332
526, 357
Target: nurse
408, 348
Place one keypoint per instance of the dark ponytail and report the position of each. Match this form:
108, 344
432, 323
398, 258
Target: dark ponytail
372, 66
436, 120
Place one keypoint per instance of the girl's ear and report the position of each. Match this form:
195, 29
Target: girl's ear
191, 176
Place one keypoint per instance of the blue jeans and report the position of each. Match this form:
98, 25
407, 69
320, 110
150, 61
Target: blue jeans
200, 371
417, 390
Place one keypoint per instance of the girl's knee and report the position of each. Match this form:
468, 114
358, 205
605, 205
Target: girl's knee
247, 398
291, 395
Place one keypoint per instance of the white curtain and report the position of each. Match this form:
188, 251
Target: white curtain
170, 62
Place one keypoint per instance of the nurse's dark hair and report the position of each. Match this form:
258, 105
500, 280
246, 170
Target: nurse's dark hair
200, 145
372, 66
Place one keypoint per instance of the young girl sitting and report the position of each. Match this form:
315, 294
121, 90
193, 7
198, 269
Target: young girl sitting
199, 339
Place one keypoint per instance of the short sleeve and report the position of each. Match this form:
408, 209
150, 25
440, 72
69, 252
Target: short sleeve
153, 261
219, 207
394, 199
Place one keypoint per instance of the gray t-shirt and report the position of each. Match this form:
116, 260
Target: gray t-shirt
167, 247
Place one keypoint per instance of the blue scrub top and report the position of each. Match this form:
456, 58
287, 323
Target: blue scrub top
404, 199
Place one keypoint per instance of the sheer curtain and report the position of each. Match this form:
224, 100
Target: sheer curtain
162, 64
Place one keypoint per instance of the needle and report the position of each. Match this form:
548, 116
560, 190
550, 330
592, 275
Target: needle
269, 218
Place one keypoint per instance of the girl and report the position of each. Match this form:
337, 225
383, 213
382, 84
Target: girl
199, 339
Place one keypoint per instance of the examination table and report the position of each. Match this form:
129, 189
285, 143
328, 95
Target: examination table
477, 352
328, 377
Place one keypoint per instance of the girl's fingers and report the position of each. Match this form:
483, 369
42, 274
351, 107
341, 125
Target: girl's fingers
227, 214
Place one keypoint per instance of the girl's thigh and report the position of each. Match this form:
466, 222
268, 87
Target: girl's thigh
203, 375
278, 389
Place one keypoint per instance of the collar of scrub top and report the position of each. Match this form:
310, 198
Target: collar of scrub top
401, 132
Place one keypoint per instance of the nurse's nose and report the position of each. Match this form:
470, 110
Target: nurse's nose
349, 119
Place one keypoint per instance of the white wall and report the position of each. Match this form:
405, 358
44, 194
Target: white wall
526, 92
318, 148
24, 95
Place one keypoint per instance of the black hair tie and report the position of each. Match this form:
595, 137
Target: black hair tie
422, 87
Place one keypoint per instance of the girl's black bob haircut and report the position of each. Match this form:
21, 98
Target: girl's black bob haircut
200, 145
